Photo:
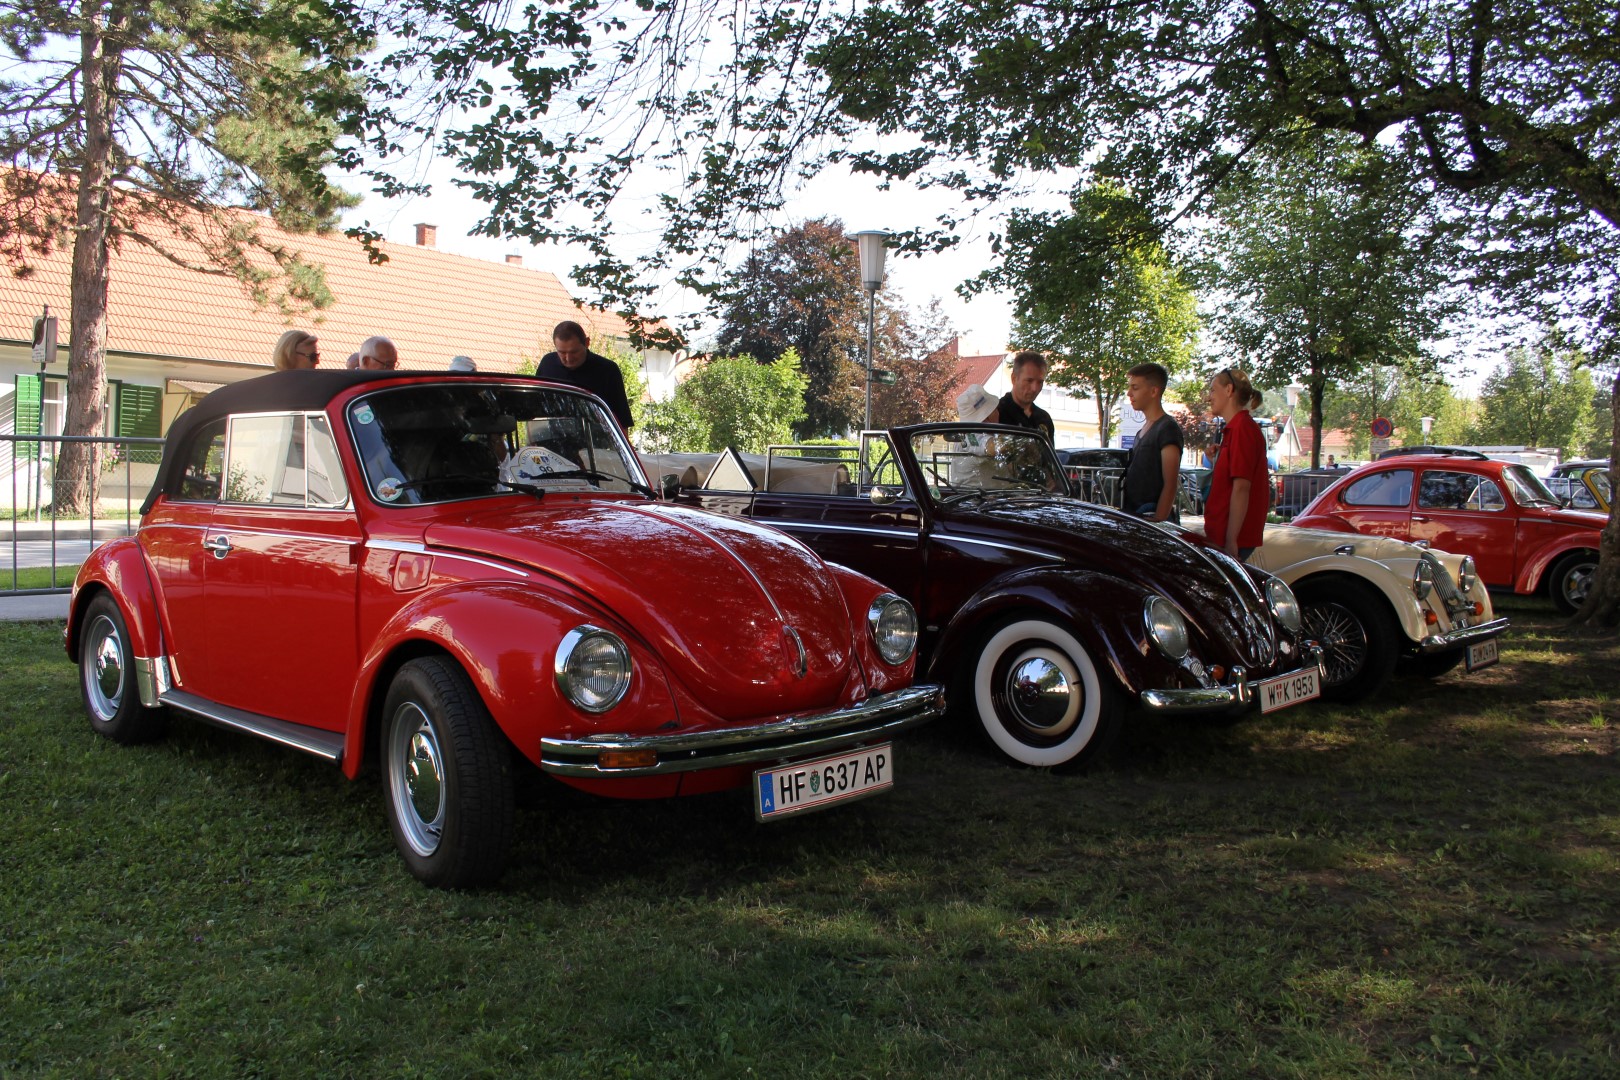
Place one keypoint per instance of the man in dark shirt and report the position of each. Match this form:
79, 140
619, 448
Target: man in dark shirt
1154, 471
575, 365
1017, 407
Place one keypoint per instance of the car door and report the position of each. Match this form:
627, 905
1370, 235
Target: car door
281, 577
172, 539
1466, 513
1379, 504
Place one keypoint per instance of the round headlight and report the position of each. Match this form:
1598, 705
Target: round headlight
1467, 575
893, 625
1423, 579
593, 668
1166, 627
1284, 605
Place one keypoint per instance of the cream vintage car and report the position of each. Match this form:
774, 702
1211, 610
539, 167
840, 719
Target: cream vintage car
1376, 604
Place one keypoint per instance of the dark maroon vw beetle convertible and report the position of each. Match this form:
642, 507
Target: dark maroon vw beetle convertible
1046, 616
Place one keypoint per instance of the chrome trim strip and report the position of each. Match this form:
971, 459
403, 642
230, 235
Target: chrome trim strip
823, 526
996, 544
1199, 698
877, 717
151, 679
415, 547
1466, 635
232, 530
323, 744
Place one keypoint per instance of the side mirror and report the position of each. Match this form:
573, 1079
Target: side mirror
881, 496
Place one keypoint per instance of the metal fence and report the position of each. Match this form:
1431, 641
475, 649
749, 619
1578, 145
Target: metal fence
38, 546
1290, 491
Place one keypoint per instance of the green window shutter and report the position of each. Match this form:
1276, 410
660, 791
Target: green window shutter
140, 415
27, 413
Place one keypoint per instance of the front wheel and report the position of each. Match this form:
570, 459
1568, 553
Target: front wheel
446, 777
107, 678
1358, 635
1039, 697
1571, 580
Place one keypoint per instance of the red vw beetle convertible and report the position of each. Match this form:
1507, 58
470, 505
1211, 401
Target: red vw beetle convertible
458, 574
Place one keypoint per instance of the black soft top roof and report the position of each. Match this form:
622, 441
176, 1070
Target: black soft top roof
279, 391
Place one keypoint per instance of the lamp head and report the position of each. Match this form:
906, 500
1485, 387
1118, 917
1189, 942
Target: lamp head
871, 246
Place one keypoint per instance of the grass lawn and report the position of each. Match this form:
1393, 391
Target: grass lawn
1427, 885
37, 577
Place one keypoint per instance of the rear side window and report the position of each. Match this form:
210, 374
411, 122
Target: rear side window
205, 465
285, 460
1392, 487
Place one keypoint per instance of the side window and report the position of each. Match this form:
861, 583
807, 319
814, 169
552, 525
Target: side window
205, 464
325, 468
1487, 497
266, 464
1447, 490
879, 467
1390, 488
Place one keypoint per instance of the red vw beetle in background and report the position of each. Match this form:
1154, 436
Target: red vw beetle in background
458, 573
1520, 535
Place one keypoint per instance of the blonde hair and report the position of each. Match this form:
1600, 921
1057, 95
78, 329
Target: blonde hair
289, 343
1247, 396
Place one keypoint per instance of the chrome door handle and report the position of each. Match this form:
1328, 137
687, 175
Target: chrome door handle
1419, 517
220, 546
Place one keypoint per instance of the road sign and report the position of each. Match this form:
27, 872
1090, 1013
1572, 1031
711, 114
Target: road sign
1382, 428
45, 339
1379, 446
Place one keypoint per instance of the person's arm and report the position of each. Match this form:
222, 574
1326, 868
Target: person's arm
1170, 459
1236, 512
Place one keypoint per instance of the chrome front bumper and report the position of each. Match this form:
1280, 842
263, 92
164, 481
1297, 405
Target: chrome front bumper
878, 717
1457, 639
1240, 691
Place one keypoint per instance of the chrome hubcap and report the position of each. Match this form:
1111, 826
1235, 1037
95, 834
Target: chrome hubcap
417, 778
105, 679
1577, 583
1039, 695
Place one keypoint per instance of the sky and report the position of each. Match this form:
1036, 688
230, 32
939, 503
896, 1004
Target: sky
984, 322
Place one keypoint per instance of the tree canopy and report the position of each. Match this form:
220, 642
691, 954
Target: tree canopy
1540, 397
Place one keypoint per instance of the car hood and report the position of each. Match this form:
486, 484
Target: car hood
1586, 519
720, 600
1223, 605
1288, 544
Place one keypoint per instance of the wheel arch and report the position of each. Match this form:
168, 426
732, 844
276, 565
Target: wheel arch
1535, 575
119, 569
1339, 570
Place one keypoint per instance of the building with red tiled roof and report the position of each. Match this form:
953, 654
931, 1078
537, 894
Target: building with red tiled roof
174, 333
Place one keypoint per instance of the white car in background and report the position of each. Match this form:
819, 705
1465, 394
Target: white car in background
1377, 604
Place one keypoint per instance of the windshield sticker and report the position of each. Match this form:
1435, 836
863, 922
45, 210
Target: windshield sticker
390, 488
364, 415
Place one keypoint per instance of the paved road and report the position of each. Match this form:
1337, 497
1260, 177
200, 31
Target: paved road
38, 553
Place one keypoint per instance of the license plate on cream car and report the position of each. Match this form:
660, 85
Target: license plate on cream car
1286, 690
1481, 654
811, 785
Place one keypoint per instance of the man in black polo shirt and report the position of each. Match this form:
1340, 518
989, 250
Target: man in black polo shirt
1017, 407
575, 365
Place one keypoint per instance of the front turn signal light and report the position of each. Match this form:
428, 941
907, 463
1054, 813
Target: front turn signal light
627, 759
1430, 618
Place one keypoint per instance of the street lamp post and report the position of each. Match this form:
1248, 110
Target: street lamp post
1428, 425
871, 246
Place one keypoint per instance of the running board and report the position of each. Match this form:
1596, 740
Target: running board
323, 744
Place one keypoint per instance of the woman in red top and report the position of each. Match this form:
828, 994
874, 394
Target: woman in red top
1235, 513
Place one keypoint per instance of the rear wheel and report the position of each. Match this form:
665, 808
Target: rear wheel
1039, 696
1571, 580
107, 677
1357, 633
446, 776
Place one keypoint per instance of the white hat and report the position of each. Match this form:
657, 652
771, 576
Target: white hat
974, 404
463, 363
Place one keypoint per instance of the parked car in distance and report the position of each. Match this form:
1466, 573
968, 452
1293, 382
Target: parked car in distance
1520, 535
459, 575
1380, 607
1047, 616
1583, 485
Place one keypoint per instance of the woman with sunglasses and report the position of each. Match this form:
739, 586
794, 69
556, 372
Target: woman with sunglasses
297, 349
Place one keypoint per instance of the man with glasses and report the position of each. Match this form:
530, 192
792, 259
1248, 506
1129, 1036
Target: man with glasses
378, 354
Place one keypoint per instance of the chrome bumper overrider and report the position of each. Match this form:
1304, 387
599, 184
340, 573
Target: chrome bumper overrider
878, 717
1240, 691
1456, 639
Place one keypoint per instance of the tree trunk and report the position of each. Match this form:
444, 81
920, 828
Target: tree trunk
1602, 607
1105, 417
1317, 385
74, 478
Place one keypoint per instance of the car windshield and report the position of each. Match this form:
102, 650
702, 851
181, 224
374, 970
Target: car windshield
976, 462
1527, 487
442, 441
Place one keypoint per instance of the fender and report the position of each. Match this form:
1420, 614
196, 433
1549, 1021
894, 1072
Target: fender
1323, 521
1383, 579
516, 629
859, 591
119, 567
1530, 574
1108, 621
